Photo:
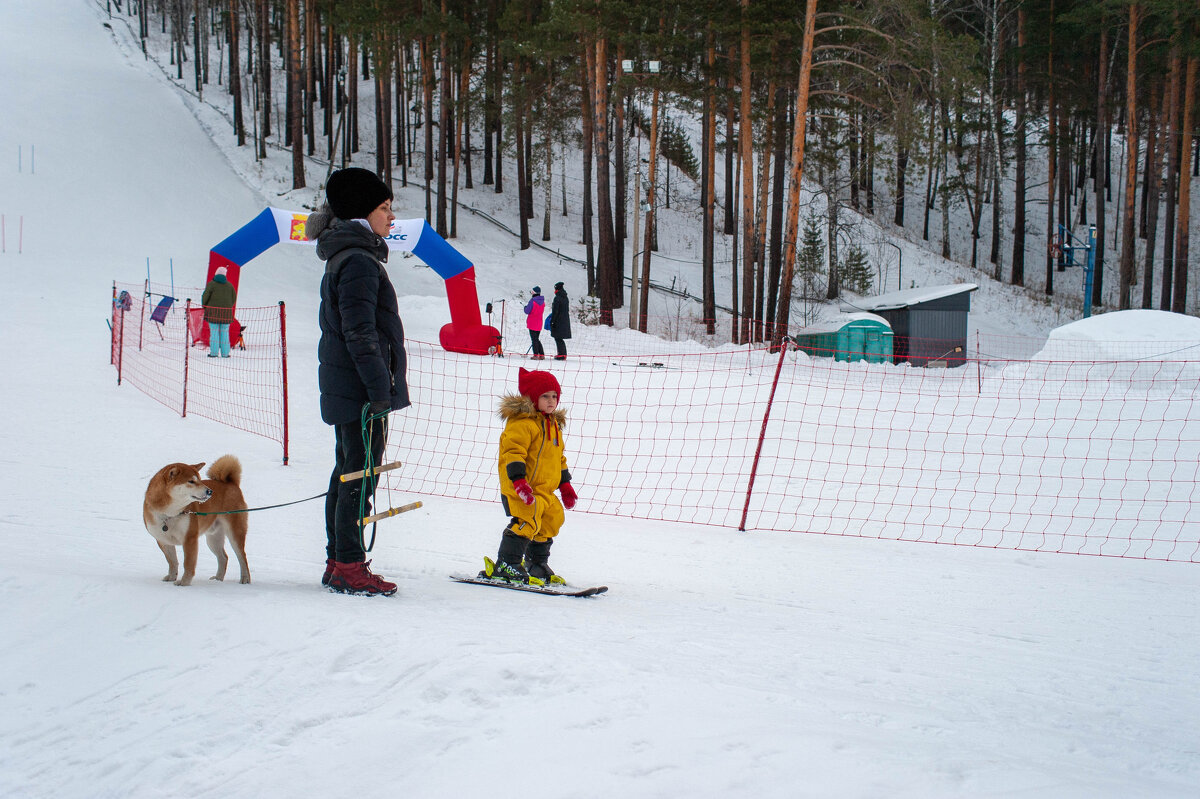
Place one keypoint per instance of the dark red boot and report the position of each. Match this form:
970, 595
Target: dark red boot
328, 571
356, 578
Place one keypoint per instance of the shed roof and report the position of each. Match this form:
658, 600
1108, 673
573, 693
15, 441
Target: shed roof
909, 297
835, 322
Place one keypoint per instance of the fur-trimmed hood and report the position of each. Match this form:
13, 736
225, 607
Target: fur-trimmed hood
318, 222
334, 235
514, 406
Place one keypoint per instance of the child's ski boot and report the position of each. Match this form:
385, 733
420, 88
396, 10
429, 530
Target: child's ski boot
509, 565
537, 557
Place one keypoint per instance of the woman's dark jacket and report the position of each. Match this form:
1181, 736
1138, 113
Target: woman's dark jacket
361, 353
560, 323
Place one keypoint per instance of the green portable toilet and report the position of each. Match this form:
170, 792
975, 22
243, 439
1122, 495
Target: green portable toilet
848, 337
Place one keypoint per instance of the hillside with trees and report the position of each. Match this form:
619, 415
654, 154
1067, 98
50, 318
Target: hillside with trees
1032, 121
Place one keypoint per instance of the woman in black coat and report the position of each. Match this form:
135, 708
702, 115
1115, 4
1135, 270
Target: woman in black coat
560, 321
361, 360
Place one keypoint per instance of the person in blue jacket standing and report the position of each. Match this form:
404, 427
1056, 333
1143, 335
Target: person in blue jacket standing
533, 320
361, 360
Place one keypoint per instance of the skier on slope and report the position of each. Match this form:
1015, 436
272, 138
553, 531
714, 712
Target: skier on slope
532, 465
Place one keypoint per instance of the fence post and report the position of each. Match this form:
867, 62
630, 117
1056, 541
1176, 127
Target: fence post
187, 348
978, 363
121, 346
112, 329
283, 361
142, 320
763, 432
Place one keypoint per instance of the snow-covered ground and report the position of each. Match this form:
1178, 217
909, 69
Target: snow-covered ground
719, 664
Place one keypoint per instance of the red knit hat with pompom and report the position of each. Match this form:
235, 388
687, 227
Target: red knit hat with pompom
536, 383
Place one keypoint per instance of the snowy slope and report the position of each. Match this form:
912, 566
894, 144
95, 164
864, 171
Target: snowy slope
719, 664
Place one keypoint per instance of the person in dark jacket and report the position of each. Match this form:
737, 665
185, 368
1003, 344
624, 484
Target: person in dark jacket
361, 359
219, 299
560, 321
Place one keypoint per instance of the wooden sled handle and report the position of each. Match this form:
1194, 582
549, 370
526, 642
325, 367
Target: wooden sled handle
391, 512
387, 467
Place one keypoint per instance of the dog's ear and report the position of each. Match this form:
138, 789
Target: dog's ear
198, 466
172, 472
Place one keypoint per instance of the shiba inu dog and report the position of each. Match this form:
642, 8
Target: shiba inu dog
177, 492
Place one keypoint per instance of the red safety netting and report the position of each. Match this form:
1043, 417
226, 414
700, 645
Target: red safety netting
1088, 457
1047, 450
155, 351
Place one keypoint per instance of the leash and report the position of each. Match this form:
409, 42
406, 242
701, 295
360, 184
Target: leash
370, 476
250, 510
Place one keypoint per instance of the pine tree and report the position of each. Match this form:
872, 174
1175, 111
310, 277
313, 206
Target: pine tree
856, 270
810, 262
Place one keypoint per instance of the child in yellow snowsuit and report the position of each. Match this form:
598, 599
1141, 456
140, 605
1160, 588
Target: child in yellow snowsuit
532, 465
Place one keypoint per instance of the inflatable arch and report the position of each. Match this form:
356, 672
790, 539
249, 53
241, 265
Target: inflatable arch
466, 332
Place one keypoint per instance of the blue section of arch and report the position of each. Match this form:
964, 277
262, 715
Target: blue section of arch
252, 239
437, 252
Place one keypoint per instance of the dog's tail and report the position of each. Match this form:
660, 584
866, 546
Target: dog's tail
226, 469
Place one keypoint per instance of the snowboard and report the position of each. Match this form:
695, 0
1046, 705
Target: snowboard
551, 590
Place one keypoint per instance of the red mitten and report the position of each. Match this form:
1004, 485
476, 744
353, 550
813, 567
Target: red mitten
523, 491
568, 495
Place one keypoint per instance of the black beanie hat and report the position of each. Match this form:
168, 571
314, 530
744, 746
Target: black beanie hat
355, 192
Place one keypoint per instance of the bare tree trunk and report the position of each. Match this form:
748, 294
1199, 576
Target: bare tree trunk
498, 124
944, 194
1051, 159
1018, 249
383, 106
1153, 182
490, 108
775, 268
833, 208
708, 156
235, 75
1182, 236
730, 183
443, 129
901, 177
1171, 145
933, 167
760, 231
1100, 170
296, 120
462, 102
519, 85
621, 171
352, 82
311, 53
549, 189
264, 68
607, 276
797, 171
427, 104
1128, 233
648, 241
746, 140
588, 137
